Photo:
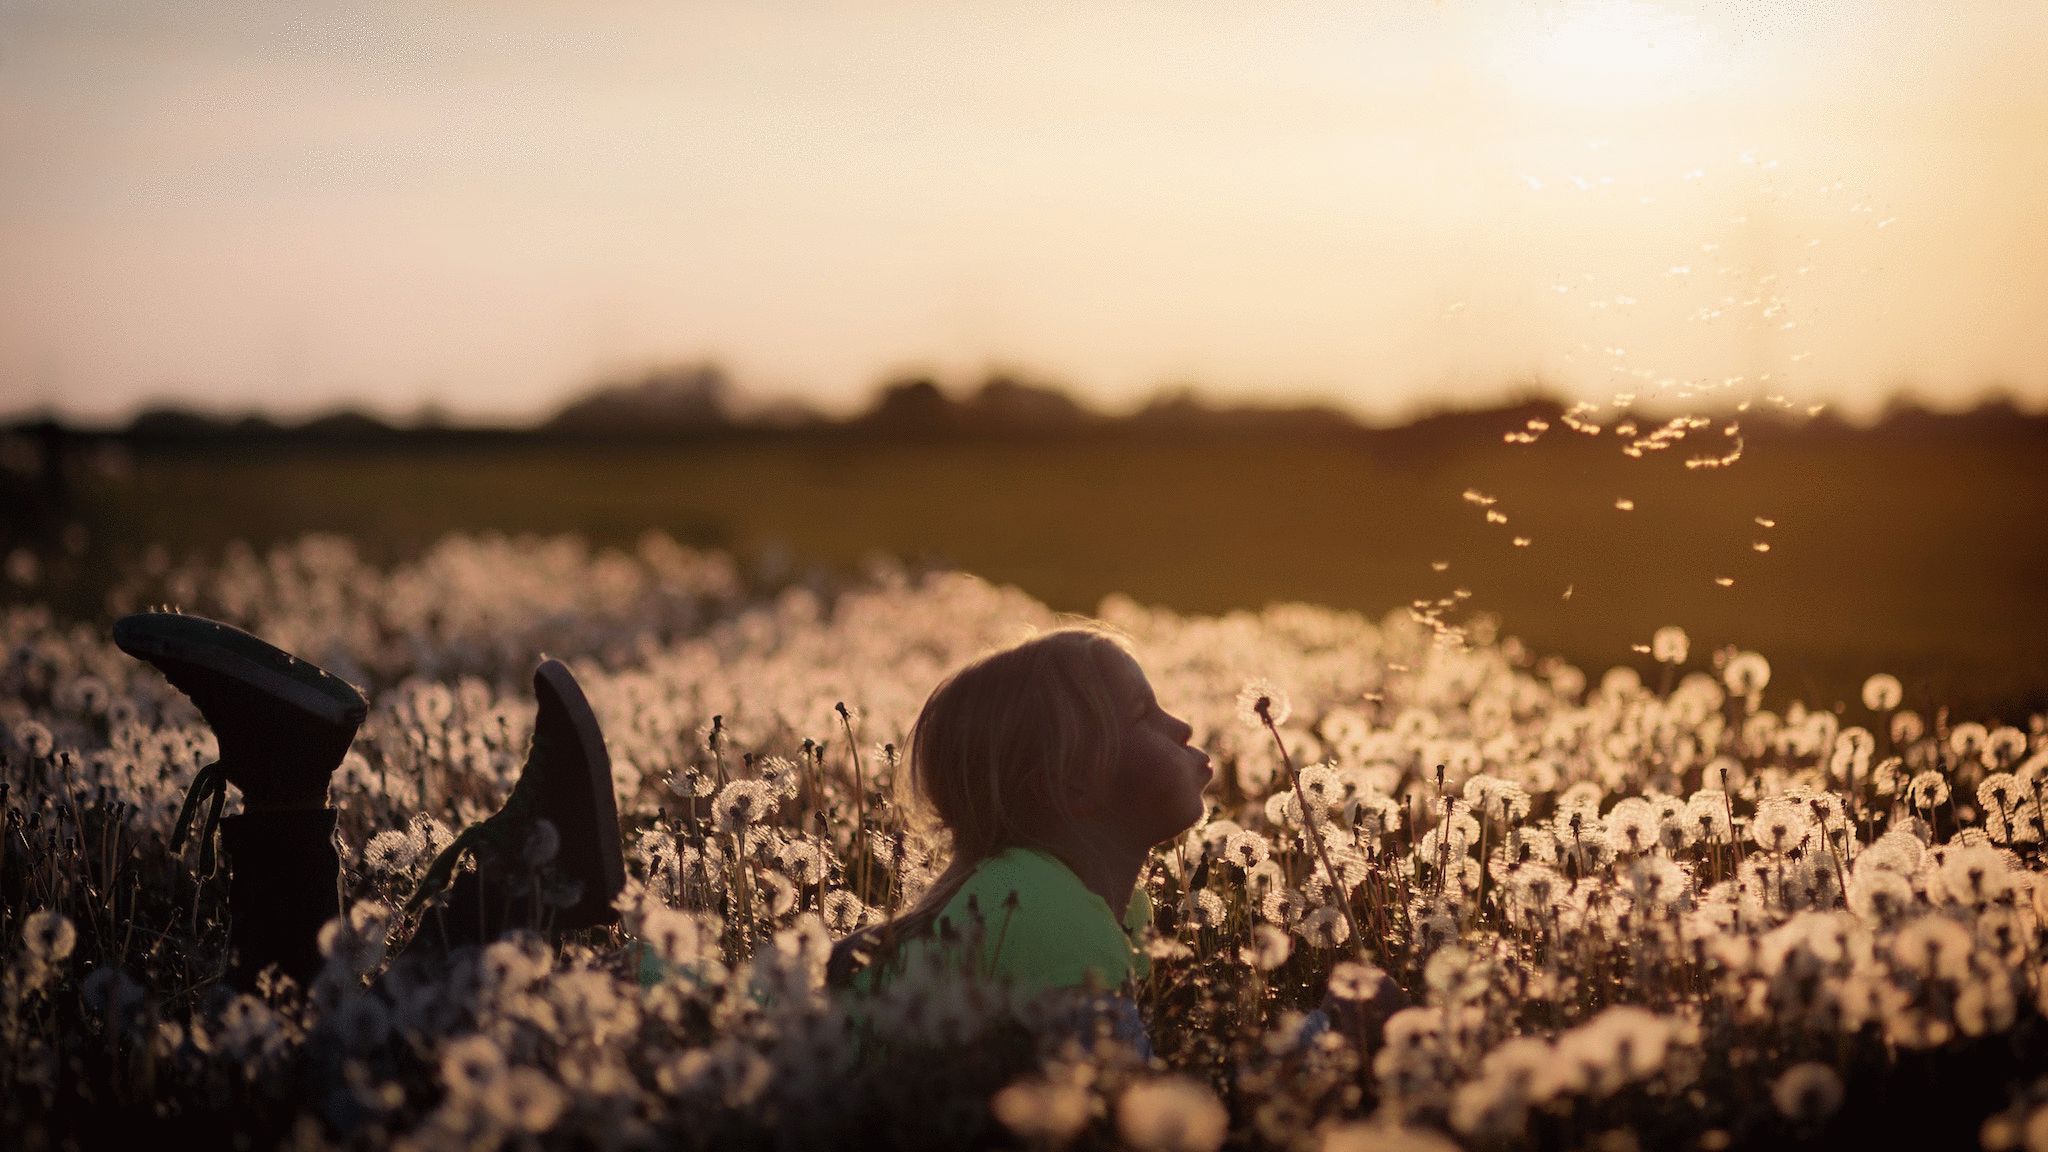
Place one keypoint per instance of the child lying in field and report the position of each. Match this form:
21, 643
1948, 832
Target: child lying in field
1051, 763
1057, 771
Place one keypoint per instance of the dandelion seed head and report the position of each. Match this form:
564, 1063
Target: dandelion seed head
1269, 948
472, 1065
1247, 850
1746, 673
48, 936
526, 1100
1927, 790
1172, 1114
34, 738
1669, 645
1041, 1111
740, 804
844, 911
1261, 702
1807, 1093
1882, 692
1325, 927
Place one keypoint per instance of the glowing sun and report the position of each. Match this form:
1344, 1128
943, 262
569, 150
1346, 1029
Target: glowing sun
1605, 51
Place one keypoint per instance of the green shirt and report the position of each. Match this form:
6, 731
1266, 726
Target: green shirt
1056, 934
1059, 931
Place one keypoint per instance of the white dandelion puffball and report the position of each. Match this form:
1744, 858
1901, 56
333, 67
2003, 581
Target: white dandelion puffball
1669, 645
1881, 693
1376, 1136
1746, 672
1262, 700
526, 1100
48, 936
1172, 1114
1807, 1093
472, 1065
1269, 949
1043, 1111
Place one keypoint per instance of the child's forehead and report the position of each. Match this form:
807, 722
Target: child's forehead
1125, 673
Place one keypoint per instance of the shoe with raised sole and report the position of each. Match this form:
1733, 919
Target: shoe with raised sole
567, 781
283, 724
574, 792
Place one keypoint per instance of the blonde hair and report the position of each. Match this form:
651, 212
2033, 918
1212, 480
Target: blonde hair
994, 753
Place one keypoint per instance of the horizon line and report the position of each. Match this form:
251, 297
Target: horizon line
744, 407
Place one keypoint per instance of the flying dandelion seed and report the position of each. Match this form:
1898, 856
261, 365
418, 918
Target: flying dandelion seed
1522, 541
1495, 517
1439, 565
1568, 590
1625, 504
1725, 581
1761, 546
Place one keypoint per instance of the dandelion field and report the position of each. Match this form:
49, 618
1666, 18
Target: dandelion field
1664, 905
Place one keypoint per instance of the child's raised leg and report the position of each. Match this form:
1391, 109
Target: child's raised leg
550, 859
283, 726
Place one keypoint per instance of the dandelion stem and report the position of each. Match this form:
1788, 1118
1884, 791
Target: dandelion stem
860, 799
1343, 896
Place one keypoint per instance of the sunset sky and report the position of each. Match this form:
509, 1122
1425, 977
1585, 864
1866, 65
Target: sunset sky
1393, 205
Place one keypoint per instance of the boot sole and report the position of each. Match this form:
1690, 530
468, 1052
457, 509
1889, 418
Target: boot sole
230, 652
554, 679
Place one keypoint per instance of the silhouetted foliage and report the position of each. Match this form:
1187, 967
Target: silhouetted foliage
686, 397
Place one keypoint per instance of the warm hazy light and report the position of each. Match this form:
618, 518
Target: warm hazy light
1605, 52
1394, 205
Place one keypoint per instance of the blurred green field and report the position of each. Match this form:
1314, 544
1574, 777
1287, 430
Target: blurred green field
1924, 555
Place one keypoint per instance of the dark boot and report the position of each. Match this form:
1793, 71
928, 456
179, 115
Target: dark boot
567, 782
282, 870
283, 726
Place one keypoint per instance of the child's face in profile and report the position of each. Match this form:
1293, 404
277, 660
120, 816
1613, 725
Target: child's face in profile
1157, 788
